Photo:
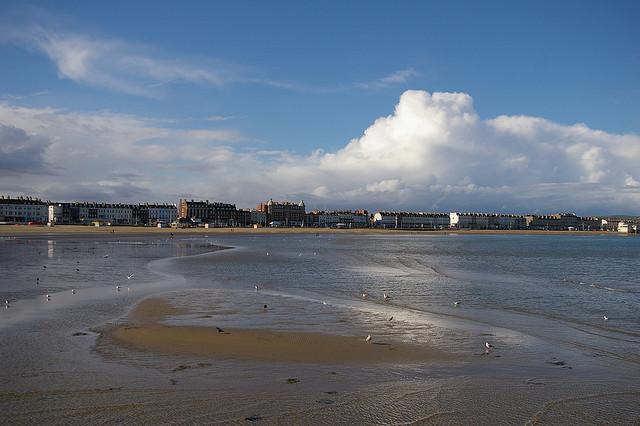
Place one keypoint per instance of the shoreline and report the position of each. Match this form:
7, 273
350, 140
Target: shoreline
24, 230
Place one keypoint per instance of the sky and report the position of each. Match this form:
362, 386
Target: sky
524, 107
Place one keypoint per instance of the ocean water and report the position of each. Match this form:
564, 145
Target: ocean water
539, 299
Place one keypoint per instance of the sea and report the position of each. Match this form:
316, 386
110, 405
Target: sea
561, 312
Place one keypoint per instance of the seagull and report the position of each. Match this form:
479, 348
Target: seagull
73, 291
299, 254
256, 286
368, 339
456, 303
364, 295
324, 303
105, 256
267, 253
48, 296
385, 295
6, 302
117, 288
606, 318
130, 276
219, 330
390, 318
488, 345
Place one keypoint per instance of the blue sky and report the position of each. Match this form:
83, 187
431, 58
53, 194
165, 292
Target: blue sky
283, 80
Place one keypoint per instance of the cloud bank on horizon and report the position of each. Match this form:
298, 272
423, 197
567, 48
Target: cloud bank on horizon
433, 153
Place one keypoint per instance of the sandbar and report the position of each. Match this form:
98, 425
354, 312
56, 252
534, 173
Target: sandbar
144, 332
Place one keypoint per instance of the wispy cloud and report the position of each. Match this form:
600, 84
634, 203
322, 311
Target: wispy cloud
116, 65
221, 117
395, 78
145, 70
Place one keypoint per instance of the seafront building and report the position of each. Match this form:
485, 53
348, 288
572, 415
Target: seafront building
283, 213
188, 213
91, 213
563, 222
85, 213
258, 218
486, 221
164, 214
410, 220
209, 213
338, 219
22, 210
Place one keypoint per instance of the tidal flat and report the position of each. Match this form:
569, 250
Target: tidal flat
270, 328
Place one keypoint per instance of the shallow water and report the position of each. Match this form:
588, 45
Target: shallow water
540, 300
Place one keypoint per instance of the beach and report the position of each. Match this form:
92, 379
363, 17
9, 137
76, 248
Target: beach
142, 230
188, 340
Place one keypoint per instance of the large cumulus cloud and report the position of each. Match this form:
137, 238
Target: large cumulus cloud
435, 152
432, 153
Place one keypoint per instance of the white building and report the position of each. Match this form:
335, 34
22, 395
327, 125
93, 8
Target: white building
624, 227
338, 219
410, 220
486, 221
22, 210
86, 213
161, 213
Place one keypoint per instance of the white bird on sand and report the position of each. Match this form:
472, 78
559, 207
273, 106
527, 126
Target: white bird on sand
385, 295
73, 291
456, 303
267, 253
324, 303
364, 295
130, 276
117, 288
368, 339
105, 256
488, 345
256, 286
6, 302
606, 318
48, 296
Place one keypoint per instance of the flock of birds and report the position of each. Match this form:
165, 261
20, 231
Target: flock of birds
369, 340
47, 296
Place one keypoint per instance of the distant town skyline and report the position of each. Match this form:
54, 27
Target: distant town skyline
530, 107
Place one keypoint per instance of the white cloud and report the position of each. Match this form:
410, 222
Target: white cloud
432, 152
220, 117
396, 77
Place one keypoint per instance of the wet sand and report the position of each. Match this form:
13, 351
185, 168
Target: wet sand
146, 333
